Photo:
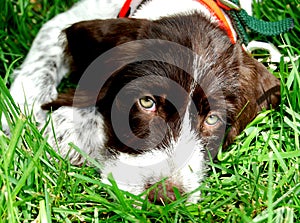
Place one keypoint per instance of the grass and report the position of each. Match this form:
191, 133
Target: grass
256, 180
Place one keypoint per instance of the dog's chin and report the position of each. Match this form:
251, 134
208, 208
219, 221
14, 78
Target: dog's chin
158, 171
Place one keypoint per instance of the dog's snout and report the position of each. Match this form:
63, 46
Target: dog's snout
163, 193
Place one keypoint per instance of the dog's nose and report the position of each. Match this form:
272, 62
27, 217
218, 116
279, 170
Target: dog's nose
162, 193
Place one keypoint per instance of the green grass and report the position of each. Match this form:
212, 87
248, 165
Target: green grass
256, 180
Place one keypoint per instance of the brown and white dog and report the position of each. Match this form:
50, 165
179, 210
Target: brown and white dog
158, 93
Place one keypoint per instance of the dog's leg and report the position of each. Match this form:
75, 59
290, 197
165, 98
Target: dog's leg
36, 80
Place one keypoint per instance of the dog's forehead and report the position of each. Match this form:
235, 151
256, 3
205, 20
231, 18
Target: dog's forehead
158, 78
202, 85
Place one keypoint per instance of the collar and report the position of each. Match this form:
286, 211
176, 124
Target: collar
214, 7
129, 8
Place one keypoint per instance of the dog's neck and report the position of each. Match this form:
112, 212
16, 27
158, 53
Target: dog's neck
155, 9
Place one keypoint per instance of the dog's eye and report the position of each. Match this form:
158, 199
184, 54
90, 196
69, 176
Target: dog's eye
212, 119
147, 103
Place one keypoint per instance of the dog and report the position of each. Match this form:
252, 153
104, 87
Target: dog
157, 93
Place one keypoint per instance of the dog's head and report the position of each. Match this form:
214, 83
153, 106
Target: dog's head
169, 91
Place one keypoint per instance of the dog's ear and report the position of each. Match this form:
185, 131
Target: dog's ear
88, 39
259, 89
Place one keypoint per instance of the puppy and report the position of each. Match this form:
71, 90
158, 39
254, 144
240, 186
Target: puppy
157, 93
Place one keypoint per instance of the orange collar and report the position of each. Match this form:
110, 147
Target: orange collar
215, 9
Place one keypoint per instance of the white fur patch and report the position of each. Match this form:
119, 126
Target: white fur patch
83, 127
